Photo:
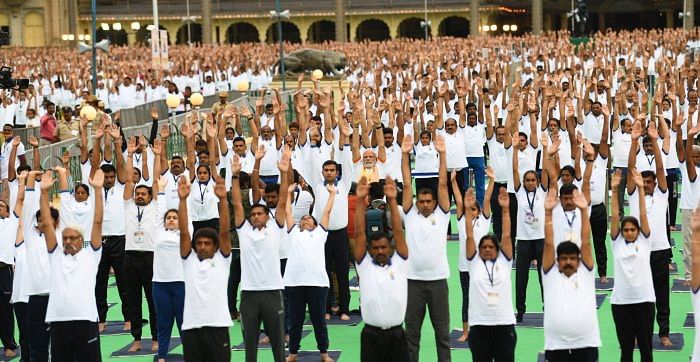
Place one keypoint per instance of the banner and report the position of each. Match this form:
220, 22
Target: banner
155, 48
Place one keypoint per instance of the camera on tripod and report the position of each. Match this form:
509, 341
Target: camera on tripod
6, 81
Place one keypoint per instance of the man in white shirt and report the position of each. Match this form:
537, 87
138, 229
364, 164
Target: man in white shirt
428, 270
383, 281
22, 104
142, 211
72, 309
571, 323
261, 278
206, 317
127, 94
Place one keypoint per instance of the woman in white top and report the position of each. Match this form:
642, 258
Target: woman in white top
633, 296
695, 279
492, 334
72, 307
19, 299
530, 223
168, 274
425, 169
305, 282
481, 222
202, 199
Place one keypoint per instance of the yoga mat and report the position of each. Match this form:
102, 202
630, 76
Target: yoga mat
145, 348
454, 343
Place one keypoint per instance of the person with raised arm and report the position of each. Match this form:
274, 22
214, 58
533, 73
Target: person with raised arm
383, 273
695, 278
571, 323
689, 160
492, 322
72, 308
633, 296
19, 298
426, 223
206, 260
261, 278
305, 280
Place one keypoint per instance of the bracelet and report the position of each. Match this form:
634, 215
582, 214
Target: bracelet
590, 160
378, 127
256, 169
234, 177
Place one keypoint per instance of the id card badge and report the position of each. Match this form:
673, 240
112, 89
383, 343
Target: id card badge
571, 236
592, 185
139, 235
492, 298
529, 218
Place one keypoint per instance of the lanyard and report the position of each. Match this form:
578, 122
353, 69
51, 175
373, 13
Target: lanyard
650, 160
176, 178
107, 192
137, 158
139, 213
570, 222
531, 203
490, 274
202, 192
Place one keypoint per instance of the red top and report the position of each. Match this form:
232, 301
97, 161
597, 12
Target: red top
48, 127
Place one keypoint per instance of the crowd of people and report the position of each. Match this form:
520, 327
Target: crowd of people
515, 135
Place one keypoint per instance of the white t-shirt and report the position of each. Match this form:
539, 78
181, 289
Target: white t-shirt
481, 227
260, 256
392, 165
142, 223
426, 241
455, 148
633, 281
301, 204
530, 221
172, 200
475, 138
81, 213
5, 157
306, 261
571, 321
691, 193
490, 291
568, 225
427, 161
622, 142
113, 222
499, 161
206, 300
166, 255
202, 202
73, 280
599, 177
8, 230
384, 291
18, 293
37, 279
593, 127
656, 208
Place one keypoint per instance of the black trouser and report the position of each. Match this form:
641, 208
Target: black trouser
435, 295
138, 276
112, 257
337, 249
37, 328
234, 280
299, 298
672, 185
634, 323
462, 185
497, 218
464, 283
206, 344
599, 230
660, 276
264, 306
492, 343
75, 341
527, 251
7, 320
589, 354
430, 183
383, 345
21, 316
622, 190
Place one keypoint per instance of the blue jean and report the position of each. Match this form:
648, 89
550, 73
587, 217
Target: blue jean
169, 298
315, 298
478, 167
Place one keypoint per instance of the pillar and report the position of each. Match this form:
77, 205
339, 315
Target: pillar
548, 22
565, 22
536, 17
16, 26
206, 22
669, 19
73, 18
689, 15
340, 21
474, 17
601, 21
130, 36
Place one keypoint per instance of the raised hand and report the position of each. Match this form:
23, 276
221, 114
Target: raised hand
47, 181
165, 132
390, 189
616, 179
440, 144
98, 179
553, 148
143, 142
162, 183
285, 161
219, 186
580, 200
113, 132
332, 189
407, 144
637, 177
235, 165
489, 173
362, 189
154, 113
131, 146
183, 188
503, 199
260, 152
157, 147
636, 130
22, 176
212, 132
652, 131
551, 201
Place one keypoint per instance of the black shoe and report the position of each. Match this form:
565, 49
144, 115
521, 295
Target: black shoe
519, 317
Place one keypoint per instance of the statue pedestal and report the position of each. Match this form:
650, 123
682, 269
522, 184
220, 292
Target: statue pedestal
334, 84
